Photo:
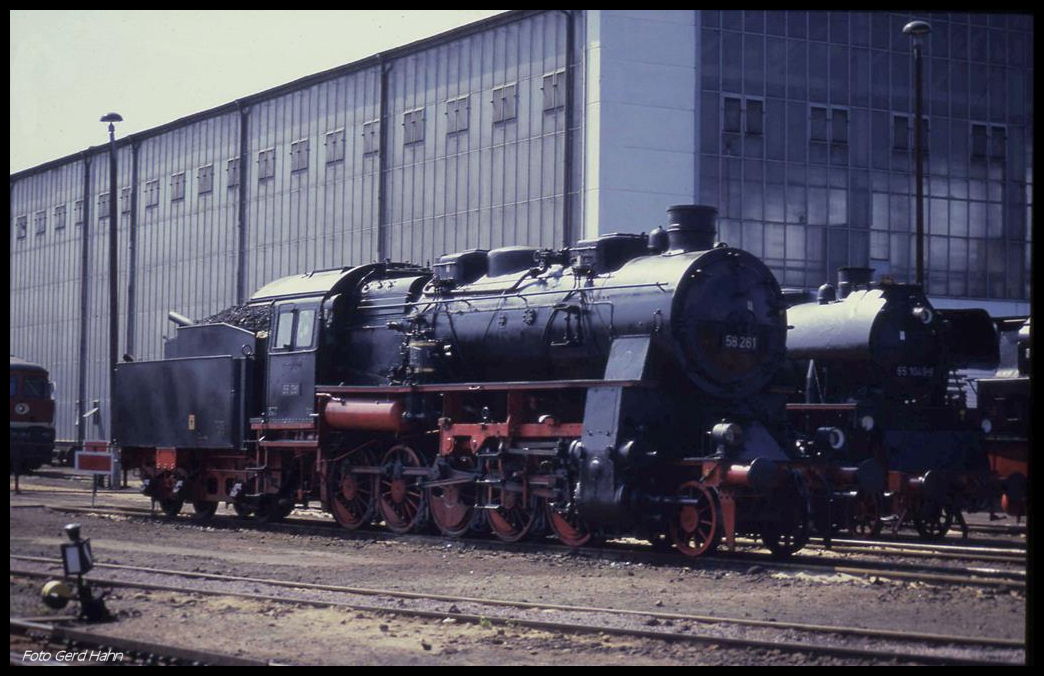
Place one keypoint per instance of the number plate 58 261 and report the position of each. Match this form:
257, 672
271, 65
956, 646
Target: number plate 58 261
739, 342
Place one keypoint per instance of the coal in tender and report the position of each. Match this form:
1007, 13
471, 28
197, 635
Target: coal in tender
250, 317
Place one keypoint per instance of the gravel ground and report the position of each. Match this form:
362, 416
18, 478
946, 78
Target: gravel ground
273, 631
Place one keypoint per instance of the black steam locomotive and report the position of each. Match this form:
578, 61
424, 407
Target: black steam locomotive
614, 387
877, 361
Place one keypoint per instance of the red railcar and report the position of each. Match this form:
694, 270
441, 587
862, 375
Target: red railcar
32, 416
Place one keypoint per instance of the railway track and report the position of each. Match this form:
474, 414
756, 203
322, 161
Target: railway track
922, 550
967, 575
863, 644
57, 645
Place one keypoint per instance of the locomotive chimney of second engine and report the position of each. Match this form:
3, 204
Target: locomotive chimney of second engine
850, 278
691, 227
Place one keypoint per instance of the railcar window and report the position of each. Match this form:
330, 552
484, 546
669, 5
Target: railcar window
34, 387
305, 328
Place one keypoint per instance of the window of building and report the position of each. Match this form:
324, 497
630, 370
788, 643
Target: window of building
40, 221
978, 140
206, 179
903, 133
59, 217
998, 141
21, 225
266, 164
505, 102
152, 189
78, 212
818, 126
232, 172
413, 126
838, 126
299, 155
371, 136
755, 116
554, 89
900, 132
732, 118
125, 205
456, 114
103, 205
334, 146
177, 186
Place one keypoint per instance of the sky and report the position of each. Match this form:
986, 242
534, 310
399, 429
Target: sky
71, 67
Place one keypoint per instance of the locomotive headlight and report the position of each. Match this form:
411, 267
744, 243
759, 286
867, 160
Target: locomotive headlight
923, 314
867, 422
987, 425
727, 433
830, 437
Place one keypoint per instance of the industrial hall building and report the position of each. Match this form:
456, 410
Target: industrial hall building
543, 128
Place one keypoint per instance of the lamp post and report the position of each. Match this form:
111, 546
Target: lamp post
114, 215
917, 30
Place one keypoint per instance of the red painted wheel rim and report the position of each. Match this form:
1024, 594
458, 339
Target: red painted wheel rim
451, 514
695, 528
571, 530
401, 499
352, 500
516, 512
513, 520
452, 507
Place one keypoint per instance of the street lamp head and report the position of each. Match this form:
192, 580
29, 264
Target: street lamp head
917, 28
111, 117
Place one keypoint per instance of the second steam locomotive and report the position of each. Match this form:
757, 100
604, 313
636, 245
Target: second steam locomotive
877, 361
616, 387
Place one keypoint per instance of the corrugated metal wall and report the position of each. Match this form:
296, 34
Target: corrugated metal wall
491, 184
45, 282
186, 247
496, 183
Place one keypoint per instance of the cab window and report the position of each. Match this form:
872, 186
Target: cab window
35, 387
14, 385
305, 328
285, 329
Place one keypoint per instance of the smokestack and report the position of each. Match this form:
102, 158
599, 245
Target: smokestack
851, 277
692, 227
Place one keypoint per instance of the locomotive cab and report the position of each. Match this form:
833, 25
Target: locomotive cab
292, 359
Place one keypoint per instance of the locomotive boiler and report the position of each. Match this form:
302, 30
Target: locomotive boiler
877, 361
612, 387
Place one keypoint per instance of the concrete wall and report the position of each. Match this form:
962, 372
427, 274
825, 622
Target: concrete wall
641, 100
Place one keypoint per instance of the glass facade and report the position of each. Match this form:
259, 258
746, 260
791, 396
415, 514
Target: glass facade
806, 139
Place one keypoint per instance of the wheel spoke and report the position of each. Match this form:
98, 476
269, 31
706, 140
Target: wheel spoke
695, 529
